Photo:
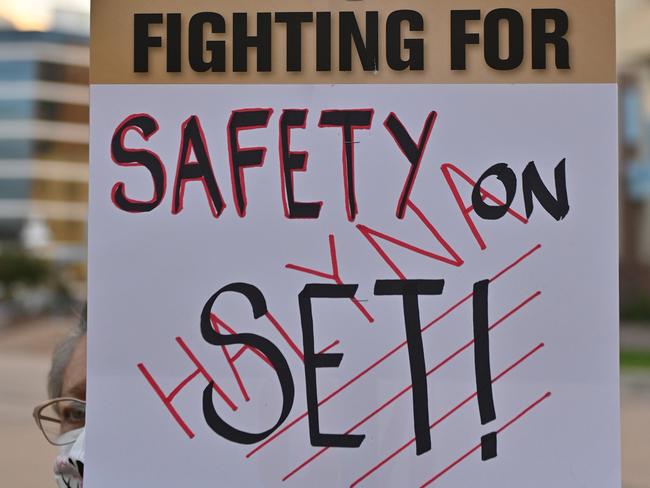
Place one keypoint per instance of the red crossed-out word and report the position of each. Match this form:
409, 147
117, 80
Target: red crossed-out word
218, 325
387, 355
167, 399
434, 369
335, 276
445, 416
447, 169
373, 235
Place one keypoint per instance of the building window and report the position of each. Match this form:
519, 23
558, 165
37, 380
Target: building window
15, 149
42, 110
43, 150
14, 189
17, 70
25, 70
63, 73
61, 112
16, 109
60, 151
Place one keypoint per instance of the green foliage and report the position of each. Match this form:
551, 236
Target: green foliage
17, 267
636, 309
635, 359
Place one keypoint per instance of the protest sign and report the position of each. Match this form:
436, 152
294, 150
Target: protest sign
353, 244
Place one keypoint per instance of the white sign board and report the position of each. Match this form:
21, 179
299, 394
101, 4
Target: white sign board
353, 285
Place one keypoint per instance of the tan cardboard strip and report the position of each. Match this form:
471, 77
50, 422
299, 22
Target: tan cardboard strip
591, 37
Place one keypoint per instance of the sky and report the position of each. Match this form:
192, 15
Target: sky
35, 14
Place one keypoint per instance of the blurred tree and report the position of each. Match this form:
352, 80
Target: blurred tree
17, 267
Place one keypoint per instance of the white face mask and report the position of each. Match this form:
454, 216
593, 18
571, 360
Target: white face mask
69, 464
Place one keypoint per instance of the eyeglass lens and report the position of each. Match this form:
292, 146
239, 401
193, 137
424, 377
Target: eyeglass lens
62, 416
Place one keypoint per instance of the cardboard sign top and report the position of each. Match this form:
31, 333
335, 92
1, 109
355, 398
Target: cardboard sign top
369, 41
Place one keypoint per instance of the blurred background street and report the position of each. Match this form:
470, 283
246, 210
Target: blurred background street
44, 58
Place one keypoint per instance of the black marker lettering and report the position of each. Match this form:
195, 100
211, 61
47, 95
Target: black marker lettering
146, 126
532, 184
291, 162
313, 361
482, 367
192, 139
348, 121
410, 290
411, 150
244, 158
506, 176
266, 347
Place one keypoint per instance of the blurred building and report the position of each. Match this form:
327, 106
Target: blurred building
633, 25
44, 145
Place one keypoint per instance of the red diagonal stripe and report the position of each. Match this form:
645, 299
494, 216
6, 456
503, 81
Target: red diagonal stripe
523, 413
448, 414
387, 355
392, 399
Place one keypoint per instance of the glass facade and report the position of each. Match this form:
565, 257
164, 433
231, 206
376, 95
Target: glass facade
60, 151
14, 189
62, 73
18, 70
59, 191
15, 149
16, 109
26, 70
46, 150
60, 199
62, 112
67, 231
23, 109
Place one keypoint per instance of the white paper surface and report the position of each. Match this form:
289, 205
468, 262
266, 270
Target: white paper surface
150, 275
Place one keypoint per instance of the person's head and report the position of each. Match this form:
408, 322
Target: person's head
67, 376
62, 418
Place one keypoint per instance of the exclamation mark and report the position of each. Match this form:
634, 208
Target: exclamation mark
482, 368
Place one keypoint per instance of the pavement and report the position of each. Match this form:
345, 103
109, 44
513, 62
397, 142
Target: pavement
635, 428
635, 337
26, 458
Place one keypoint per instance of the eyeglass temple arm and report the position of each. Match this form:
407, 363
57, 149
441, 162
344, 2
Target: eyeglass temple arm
45, 417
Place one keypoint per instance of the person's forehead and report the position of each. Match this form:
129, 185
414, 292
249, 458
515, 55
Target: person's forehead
74, 376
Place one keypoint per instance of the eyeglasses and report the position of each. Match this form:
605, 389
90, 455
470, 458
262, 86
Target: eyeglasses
58, 416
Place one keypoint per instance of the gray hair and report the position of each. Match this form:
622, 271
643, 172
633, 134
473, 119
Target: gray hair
62, 354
